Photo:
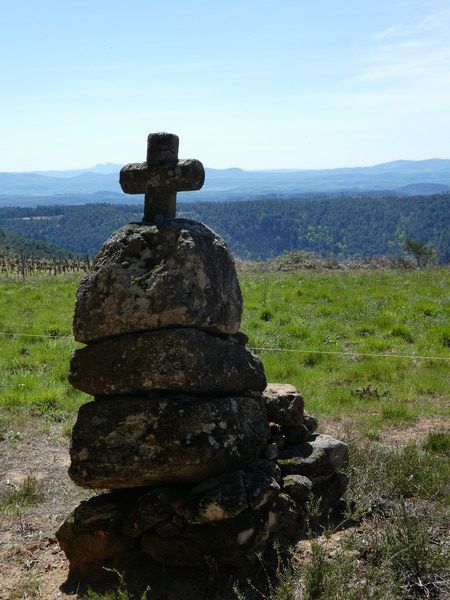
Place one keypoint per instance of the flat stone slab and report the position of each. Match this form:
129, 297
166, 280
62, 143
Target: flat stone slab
284, 404
129, 441
316, 459
182, 360
150, 276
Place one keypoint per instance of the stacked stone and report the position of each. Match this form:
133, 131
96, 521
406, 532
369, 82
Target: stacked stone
202, 461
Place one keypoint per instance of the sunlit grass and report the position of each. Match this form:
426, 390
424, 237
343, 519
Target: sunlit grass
316, 312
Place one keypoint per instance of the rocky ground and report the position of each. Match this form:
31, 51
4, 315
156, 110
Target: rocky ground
31, 563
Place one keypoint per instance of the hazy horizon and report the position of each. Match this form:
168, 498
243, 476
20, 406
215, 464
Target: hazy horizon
119, 165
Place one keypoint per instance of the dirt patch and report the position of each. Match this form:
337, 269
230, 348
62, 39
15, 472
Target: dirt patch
31, 564
393, 436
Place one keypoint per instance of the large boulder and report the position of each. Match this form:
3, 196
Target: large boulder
129, 441
238, 541
184, 360
92, 539
227, 495
284, 404
316, 459
149, 276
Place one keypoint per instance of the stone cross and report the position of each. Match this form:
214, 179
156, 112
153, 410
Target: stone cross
161, 177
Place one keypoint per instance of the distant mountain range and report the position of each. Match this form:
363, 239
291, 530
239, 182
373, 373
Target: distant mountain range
101, 183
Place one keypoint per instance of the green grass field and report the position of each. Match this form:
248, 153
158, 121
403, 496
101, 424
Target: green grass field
355, 312
393, 544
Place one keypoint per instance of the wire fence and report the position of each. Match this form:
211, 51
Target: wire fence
350, 353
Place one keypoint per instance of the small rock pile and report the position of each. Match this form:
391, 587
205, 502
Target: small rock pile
201, 460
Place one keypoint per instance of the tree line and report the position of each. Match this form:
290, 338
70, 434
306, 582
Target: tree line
345, 226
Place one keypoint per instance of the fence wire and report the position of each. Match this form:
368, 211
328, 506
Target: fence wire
262, 349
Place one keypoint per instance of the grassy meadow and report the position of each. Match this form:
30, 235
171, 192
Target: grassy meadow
387, 312
314, 329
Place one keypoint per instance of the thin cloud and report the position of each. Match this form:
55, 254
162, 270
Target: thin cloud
417, 53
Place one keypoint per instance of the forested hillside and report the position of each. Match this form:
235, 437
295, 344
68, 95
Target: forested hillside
345, 226
17, 244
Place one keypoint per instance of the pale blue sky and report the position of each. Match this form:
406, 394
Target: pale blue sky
248, 83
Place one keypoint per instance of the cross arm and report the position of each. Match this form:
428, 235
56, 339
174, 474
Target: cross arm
184, 175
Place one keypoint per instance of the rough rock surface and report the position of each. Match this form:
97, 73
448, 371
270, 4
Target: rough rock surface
284, 404
296, 435
91, 537
236, 542
310, 422
183, 360
298, 487
129, 441
226, 496
176, 273
317, 459
152, 508
288, 517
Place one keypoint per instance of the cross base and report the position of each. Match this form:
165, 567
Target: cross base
159, 206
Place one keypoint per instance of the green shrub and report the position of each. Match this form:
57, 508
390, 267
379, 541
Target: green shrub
438, 442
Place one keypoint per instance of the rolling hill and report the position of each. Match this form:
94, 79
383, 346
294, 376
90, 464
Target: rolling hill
100, 183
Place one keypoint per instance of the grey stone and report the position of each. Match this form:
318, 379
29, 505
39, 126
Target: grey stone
161, 176
177, 273
268, 467
271, 451
226, 496
260, 488
311, 422
222, 497
91, 537
276, 435
287, 517
152, 508
236, 542
182, 360
284, 404
129, 441
316, 459
298, 487
296, 434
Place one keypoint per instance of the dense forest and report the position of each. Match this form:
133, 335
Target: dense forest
343, 226
17, 244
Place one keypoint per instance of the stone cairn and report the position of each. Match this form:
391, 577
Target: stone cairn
201, 461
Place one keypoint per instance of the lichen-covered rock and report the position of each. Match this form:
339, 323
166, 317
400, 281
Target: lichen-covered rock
182, 360
298, 487
130, 441
260, 488
152, 508
317, 459
91, 537
236, 542
226, 496
222, 497
175, 273
284, 404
